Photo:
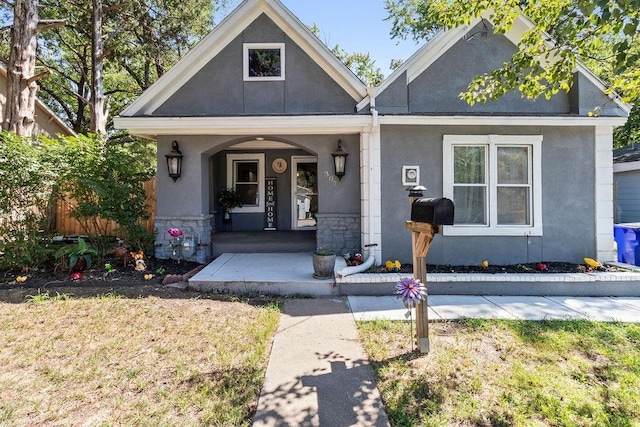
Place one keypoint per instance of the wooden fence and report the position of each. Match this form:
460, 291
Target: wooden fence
68, 225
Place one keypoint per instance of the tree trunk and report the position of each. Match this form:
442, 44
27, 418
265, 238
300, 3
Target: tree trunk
98, 115
19, 114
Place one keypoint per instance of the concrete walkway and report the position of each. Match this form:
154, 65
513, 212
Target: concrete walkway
449, 307
318, 373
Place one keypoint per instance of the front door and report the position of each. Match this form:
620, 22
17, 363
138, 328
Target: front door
304, 182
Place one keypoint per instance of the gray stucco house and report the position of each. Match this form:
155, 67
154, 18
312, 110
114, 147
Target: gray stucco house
261, 97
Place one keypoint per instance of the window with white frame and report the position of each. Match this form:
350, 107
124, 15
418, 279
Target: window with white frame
495, 184
263, 61
245, 173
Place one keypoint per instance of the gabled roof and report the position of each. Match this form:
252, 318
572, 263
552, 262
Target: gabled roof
444, 40
230, 28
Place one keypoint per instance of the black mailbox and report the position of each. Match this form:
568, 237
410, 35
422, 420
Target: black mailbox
432, 211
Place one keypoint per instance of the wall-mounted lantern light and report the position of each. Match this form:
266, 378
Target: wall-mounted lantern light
340, 160
174, 161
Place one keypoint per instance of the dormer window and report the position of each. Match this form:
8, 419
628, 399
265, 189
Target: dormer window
263, 61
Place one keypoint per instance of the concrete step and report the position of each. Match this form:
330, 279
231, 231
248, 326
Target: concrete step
264, 242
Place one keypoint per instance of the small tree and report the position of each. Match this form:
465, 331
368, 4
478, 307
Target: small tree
105, 181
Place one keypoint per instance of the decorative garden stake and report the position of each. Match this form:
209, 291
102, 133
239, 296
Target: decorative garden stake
412, 293
176, 242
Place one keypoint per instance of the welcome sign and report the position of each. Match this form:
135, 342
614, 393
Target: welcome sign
270, 205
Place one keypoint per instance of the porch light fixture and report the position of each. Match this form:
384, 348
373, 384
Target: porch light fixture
340, 160
174, 161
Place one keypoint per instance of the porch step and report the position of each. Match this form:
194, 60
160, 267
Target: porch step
266, 273
263, 242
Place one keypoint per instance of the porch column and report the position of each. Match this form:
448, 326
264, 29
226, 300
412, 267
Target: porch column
370, 187
604, 193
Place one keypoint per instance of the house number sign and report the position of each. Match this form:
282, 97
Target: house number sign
270, 205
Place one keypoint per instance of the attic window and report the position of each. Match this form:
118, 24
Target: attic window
263, 61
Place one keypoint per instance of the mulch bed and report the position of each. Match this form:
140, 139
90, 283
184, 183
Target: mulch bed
529, 268
125, 280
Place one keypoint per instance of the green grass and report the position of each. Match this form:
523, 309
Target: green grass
111, 360
509, 373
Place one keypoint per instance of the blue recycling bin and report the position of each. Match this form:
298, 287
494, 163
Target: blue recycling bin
627, 237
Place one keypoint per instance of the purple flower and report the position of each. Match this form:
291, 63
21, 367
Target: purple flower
175, 232
411, 291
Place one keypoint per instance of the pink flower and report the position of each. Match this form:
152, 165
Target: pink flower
175, 232
75, 276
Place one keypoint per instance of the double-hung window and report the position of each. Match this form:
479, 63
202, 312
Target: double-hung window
495, 184
245, 173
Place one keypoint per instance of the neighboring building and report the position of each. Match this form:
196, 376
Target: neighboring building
626, 181
47, 122
261, 97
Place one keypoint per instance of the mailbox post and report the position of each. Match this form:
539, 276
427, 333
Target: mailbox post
426, 217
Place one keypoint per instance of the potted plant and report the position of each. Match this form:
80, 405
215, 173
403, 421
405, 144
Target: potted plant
80, 256
229, 199
324, 261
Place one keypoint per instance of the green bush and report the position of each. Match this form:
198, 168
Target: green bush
106, 182
28, 184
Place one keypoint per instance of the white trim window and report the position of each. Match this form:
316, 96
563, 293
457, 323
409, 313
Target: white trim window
495, 183
245, 173
263, 61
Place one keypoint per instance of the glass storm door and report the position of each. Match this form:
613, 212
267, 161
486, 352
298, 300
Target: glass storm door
305, 192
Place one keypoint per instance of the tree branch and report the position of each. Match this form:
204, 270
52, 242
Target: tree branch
48, 24
38, 77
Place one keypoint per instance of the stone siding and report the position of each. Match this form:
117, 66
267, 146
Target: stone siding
196, 229
340, 232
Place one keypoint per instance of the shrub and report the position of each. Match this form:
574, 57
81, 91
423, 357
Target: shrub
28, 185
105, 181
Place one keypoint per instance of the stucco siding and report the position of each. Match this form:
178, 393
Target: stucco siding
568, 197
395, 98
627, 186
218, 88
437, 89
592, 99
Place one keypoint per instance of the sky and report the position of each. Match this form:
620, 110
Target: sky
356, 25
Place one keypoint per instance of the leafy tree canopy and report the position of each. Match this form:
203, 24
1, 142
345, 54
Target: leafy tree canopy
360, 63
563, 31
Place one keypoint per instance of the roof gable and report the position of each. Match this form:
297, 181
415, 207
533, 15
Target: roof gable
586, 95
228, 31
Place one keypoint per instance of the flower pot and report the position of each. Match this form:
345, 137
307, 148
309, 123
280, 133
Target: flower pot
323, 266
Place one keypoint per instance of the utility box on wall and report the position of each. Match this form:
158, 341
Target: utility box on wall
437, 211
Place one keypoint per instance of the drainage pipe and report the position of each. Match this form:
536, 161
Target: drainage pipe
371, 259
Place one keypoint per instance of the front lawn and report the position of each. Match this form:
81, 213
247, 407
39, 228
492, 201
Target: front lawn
508, 373
147, 361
